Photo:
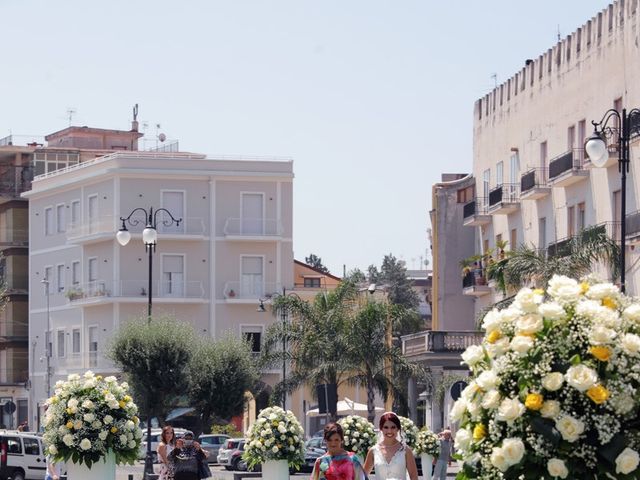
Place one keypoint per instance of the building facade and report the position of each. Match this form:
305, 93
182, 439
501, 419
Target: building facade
534, 183
232, 248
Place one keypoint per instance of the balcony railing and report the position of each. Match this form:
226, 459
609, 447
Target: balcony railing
13, 376
562, 247
135, 288
534, 178
15, 179
505, 193
14, 237
77, 362
632, 224
250, 290
474, 278
439, 342
567, 162
107, 225
253, 227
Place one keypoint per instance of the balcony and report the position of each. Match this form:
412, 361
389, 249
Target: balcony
567, 169
562, 247
260, 229
135, 291
475, 213
503, 199
632, 225
15, 179
474, 284
250, 292
70, 362
533, 184
11, 237
13, 376
107, 226
432, 341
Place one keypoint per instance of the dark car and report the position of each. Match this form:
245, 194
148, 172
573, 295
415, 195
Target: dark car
313, 449
212, 443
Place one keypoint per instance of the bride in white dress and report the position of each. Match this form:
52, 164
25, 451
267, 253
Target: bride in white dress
392, 459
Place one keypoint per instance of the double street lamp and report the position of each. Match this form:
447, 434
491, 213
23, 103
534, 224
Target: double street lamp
623, 126
284, 313
150, 239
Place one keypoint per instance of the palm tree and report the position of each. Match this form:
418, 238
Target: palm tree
575, 258
374, 361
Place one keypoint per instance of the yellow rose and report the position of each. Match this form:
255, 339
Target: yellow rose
609, 302
136, 420
126, 398
479, 432
114, 429
54, 399
538, 291
69, 425
122, 403
600, 352
598, 394
584, 287
494, 336
99, 377
534, 401
69, 411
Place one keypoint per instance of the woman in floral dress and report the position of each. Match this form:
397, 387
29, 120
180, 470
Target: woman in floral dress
337, 463
167, 443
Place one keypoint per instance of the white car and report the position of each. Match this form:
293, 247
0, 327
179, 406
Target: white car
21, 456
155, 441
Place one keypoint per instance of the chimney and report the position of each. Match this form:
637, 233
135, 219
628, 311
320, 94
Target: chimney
134, 123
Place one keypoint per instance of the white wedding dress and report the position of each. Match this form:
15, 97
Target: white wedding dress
396, 469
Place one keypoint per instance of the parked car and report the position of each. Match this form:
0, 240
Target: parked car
230, 455
313, 448
212, 444
21, 456
155, 441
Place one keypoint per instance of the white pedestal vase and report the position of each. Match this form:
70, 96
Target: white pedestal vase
103, 469
427, 466
273, 470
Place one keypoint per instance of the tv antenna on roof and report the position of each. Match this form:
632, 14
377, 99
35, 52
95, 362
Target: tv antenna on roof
70, 113
558, 32
495, 80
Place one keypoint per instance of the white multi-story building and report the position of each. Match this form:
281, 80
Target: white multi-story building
534, 184
233, 247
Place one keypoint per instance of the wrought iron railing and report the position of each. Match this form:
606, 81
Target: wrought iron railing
477, 206
439, 342
505, 193
568, 161
534, 178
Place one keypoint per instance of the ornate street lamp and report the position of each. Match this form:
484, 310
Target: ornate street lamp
625, 125
150, 239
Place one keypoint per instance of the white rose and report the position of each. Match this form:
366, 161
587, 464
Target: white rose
553, 311
72, 403
491, 400
632, 313
602, 290
552, 381
68, 439
498, 459
89, 417
53, 450
509, 410
458, 409
494, 350
581, 377
529, 324
630, 344
563, 289
469, 391
557, 468
509, 315
521, 344
513, 450
491, 321
550, 409
107, 419
527, 300
601, 335
85, 444
474, 410
472, 355
463, 439
570, 428
88, 404
627, 461
88, 374
487, 380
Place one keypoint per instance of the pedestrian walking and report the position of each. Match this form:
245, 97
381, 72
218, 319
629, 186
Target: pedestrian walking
444, 456
166, 445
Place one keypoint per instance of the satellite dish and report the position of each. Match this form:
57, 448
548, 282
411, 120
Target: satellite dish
162, 137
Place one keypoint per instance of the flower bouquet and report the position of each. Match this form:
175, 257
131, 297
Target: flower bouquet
275, 435
427, 443
359, 435
555, 388
89, 418
409, 431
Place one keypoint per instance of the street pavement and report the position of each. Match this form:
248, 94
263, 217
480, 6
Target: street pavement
219, 473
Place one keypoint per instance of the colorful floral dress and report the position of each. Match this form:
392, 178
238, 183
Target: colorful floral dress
166, 469
338, 467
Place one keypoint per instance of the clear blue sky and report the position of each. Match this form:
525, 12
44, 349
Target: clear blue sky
373, 99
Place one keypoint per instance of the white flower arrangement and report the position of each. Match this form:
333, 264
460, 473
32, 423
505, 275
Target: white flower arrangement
555, 390
409, 431
359, 434
90, 416
275, 435
427, 443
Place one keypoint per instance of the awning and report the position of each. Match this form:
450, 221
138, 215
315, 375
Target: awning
346, 407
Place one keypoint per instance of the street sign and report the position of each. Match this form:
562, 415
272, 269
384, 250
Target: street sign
9, 407
456, 389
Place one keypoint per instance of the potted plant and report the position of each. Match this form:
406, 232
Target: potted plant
427, 448
465, 265
501, 245
74, 293
359, 435
91, 424
232, 293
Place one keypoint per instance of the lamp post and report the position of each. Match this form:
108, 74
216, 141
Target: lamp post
284, 312
150, 239
624, 126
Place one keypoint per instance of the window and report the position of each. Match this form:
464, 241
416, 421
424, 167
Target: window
75, 213
13, 445
581, 216
543, 160
499, 174
465, 195
48, 221
485, 245
60, 218
514, 239
571, 221
48, 275
486, 179
252, 213
542, 233
93, 269
31, 446
173, 275
93, 213
75, 273
75, 341
617, 212
582, 129
571, 137
60, 278
61, 343
253, 335
312, 282
174, 202
252, 277
93, 346
514, 171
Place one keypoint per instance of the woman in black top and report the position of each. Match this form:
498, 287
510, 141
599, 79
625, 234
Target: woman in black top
186, 458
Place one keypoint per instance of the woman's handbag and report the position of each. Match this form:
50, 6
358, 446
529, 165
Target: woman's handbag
203, 469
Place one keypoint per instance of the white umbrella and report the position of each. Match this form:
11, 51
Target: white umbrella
346, 407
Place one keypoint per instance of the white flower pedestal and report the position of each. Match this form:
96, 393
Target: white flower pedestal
104, 469
427, 466
273, 470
